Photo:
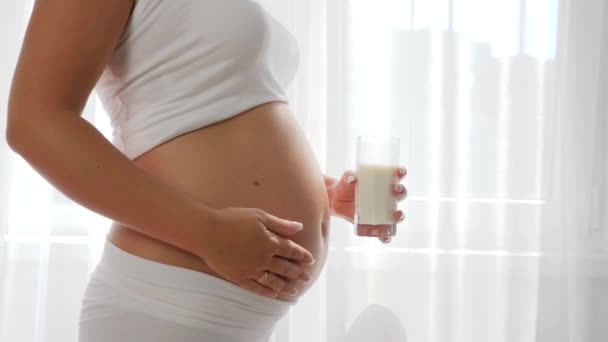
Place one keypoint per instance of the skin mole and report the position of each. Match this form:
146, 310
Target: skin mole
256, 183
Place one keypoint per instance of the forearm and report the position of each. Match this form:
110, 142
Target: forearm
76, 158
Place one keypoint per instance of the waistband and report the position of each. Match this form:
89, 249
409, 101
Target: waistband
187, 296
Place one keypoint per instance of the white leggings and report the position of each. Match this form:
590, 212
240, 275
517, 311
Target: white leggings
129, 298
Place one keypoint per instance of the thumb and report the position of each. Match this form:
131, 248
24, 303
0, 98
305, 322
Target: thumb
345, 189
281, 226
349, 177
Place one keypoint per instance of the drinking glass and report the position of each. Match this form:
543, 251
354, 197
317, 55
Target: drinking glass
377, 159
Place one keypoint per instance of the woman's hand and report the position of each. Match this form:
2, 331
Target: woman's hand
341, 194
248, 247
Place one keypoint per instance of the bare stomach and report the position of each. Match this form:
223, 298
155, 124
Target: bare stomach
257, 159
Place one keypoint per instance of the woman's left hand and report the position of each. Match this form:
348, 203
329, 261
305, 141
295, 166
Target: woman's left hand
341, 194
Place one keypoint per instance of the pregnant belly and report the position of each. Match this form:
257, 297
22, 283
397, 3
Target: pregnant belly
257, 159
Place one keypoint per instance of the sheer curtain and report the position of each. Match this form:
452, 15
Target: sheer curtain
500, 106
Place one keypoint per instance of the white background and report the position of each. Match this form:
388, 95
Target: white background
500, 108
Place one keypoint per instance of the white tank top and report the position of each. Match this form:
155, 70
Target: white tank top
184, 64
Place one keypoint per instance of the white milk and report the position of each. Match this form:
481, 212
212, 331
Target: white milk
374, 199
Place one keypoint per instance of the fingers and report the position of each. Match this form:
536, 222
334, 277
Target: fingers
399, 216
253, 286
281, 226
373, 230
386, 240
270, 284
380, 230
401, 172
345, 189
272, 280
291, 250
399, 191
349, 177
287, 269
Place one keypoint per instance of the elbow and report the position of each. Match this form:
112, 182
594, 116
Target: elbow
17, 131
12, 132
21, 124
12, 136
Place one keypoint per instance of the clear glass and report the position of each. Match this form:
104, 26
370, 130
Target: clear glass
377, 160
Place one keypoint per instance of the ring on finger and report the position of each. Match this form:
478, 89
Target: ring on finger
263, 278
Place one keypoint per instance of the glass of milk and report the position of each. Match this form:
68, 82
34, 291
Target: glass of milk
377, 159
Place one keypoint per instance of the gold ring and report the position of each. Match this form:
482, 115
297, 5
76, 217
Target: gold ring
263, 277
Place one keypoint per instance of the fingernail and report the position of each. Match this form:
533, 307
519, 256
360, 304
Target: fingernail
399, 187
402, 170
292, 291
306, 276
350, 179
311, 261
401, 215
297, 225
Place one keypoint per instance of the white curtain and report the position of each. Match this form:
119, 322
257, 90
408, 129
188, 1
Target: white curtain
501, 108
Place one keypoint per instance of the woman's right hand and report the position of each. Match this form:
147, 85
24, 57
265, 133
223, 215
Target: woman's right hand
244, 243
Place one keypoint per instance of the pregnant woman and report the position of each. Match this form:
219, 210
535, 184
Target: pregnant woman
220, 212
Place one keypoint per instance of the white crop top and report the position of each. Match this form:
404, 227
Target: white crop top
184, 64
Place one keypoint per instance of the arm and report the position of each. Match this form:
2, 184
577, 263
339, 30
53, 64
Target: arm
341, 196
66, 47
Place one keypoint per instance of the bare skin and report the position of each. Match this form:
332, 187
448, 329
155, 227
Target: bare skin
258, 159
231, 164
165, 204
